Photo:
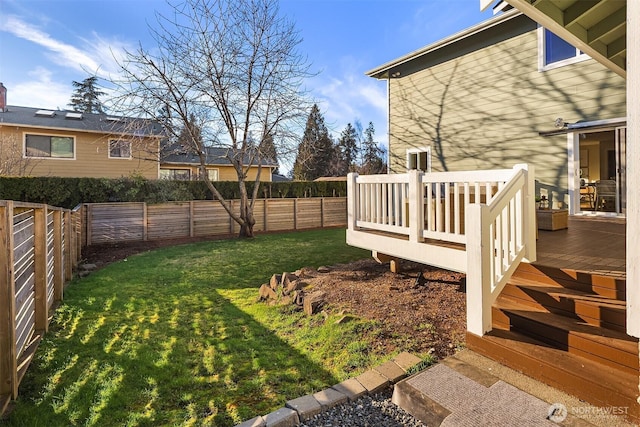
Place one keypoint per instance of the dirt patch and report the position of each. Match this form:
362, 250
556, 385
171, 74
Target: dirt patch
420, 310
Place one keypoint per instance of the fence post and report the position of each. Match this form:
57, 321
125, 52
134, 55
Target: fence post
89, 218
68, 245
58, 257
322, 212
191, 220
478, 269
529, 212
416, 206
295, 213
8, 359
352, 200
40, 243
265, 213
145, 222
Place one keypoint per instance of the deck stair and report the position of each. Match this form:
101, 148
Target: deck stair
567, 329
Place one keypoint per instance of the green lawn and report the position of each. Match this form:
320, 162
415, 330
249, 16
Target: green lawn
177, 337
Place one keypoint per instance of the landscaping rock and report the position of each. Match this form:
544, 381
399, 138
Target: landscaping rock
298, 298
295, 285
329, 397
288, 278
275, 281
350, 388
88, 267
313, 303
266, 293
323, 269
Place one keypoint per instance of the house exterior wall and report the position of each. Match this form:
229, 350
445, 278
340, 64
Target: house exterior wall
91, 155
481, 102
225, 172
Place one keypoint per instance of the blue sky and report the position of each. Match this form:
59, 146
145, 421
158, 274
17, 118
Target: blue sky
47, 44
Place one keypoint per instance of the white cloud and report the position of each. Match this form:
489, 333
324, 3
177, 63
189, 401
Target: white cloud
97, 56
349, 97
40, 91
60, 52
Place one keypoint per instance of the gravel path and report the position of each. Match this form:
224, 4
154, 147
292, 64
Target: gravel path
367, 411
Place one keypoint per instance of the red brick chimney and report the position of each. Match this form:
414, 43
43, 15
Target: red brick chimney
3, 98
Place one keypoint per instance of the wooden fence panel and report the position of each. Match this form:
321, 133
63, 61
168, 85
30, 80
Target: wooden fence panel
209, 219
115, 222
281, 214
335, 212
308, 213
30, 237
24, 265
168, 221
50, 258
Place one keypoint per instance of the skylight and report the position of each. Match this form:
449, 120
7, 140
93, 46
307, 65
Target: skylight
73, 115
45, 113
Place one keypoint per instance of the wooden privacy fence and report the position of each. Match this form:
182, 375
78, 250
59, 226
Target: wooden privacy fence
39, 250
117, 222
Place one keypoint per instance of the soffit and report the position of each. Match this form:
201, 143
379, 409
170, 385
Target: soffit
597, 27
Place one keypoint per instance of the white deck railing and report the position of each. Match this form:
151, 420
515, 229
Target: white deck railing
488, 213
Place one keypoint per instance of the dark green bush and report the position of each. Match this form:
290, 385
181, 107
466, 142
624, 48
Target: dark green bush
69, 192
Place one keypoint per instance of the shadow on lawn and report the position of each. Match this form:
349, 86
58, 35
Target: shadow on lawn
117, 358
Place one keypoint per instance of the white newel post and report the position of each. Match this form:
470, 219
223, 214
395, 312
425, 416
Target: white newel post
416, 210
529, 214
478, 269
352, 201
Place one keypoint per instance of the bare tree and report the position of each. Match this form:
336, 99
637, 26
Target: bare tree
12, 161
224, 73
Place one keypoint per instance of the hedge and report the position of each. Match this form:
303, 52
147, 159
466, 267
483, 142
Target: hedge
69, 192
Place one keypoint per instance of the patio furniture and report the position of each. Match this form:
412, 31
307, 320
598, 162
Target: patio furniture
552, 219
606, 195
587, 194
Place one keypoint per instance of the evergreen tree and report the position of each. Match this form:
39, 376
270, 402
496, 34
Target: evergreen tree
86, 97
315, 151
268, 150
346, 151
372, 155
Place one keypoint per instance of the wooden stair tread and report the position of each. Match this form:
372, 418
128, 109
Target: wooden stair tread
610, 286
574, 374
561, 291
572, 326
572, 294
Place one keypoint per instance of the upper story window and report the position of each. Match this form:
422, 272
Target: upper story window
553, 52
419, 158
48, 146
119, 149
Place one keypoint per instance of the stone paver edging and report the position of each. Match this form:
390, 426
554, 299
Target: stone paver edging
303, 408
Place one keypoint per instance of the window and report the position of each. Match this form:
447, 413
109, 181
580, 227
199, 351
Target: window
419, 158
59, 147
175, 174
213, 174
119, 149
554, 52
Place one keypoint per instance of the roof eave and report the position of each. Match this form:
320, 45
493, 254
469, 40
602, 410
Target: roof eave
382, 72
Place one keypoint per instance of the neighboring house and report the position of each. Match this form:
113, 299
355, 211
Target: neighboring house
486, 97
42, 142
179, 164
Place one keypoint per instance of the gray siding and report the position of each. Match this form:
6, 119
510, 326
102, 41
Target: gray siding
483, 108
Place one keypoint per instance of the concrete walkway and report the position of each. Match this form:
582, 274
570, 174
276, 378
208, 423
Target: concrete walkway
462, 390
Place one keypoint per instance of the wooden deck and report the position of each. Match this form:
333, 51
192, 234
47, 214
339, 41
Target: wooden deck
589, 244
562, 320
